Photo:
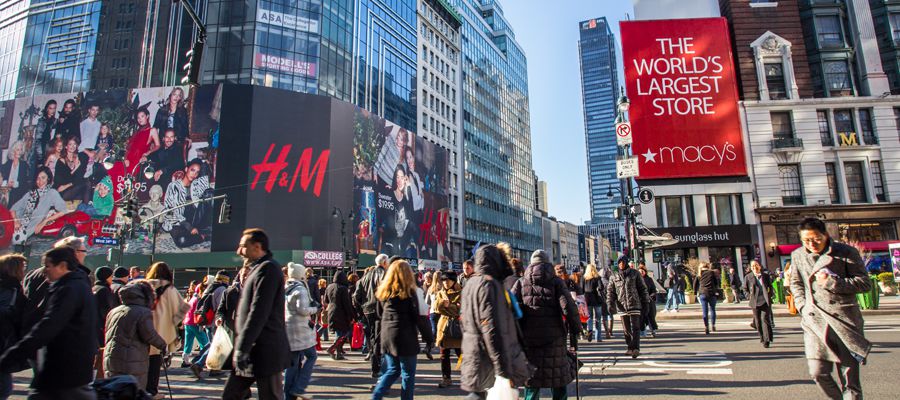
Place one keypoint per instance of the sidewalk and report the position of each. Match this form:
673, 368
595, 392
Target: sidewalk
889, 305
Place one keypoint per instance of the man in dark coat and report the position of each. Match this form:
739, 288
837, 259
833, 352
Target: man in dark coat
628, 294
105, 301
261, 349
825, 278
119, 279
364, 297
339, 313
546, 302
491, 344
734, 279
758, 286
65, 337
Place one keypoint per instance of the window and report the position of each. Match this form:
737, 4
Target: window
781, 125
856, 183
833, 190
724, 209
865, 125
670, 211
825, 128
843, 122
791, 189
837, 78
775, 81
878, 180
895, 25
828, 29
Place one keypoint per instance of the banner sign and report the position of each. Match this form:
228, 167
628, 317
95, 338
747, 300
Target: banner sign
894, 250
323, 258
705, 236
287, 21
266, 61
681, 83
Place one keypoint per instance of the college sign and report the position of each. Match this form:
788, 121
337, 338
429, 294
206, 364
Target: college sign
681, 84
323, 258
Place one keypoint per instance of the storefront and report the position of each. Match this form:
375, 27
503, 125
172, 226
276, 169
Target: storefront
724, 245
873, 227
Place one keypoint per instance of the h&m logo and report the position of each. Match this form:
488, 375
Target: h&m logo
306, 170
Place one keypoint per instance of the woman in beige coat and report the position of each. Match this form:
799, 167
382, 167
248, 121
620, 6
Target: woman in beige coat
168, 311
447, 302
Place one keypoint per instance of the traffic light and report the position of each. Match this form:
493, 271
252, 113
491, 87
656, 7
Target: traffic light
225, 212
192, 66
131, 207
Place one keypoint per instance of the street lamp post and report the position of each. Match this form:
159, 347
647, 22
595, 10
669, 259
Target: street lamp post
337, 213
626, 188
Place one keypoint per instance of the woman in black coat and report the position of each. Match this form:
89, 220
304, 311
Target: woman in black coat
12, 306
706, 286
550, 316
340, 313
595, 297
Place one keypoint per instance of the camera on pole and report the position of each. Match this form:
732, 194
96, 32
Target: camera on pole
192, 66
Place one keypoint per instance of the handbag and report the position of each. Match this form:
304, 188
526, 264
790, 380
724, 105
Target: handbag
219, 350
453, 330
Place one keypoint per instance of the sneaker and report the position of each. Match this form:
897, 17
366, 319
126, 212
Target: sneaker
653, 333
635, 354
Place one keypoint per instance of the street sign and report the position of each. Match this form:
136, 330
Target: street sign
105, 240
627, 168
657, 256
623, 133
645, 195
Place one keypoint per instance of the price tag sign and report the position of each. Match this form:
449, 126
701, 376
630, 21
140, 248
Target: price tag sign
623, 134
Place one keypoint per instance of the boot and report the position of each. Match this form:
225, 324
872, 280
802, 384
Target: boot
445, 382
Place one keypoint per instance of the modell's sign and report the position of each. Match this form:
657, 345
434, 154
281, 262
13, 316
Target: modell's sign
287, 21
282, 64
681, 84
323, 258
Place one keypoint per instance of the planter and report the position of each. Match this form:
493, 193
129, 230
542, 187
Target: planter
690, 298
729, 295
889, 289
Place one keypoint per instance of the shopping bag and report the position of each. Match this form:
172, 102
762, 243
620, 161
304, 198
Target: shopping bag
359, 334
219, 350
502, 390
582, 308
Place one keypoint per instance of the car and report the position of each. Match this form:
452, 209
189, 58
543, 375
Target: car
79, 223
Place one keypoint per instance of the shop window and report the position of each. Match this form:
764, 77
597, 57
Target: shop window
878, 180
875, 231
775, 81
791, 186
866, 128
787, 234
825, 133
670, 211
856, 183
833, 190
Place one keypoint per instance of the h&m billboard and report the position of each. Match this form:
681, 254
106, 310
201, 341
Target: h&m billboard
681, 83
284, 159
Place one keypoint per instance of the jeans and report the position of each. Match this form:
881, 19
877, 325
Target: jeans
434, 317
709, 307
672, 300
445, 361
192, 332
681, 296
397, 367
6, 385
595, 316
297, 376
558, 393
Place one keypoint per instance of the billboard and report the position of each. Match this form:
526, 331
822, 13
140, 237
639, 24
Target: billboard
68, 160
681, 83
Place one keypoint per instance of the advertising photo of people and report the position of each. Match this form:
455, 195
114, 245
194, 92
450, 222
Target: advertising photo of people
66, 170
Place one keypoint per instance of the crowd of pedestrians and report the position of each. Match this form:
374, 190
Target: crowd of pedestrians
505, 323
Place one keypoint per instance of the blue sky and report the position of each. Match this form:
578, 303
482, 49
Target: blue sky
548, 32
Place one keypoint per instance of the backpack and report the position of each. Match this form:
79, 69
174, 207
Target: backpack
205, 314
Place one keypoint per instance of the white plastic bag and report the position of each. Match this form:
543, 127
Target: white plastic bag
219, 350
502, 390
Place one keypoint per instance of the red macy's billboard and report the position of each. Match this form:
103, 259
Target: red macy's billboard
681, 83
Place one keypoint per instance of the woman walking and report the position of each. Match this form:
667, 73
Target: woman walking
193, 330
449, 330
399, 315
12, 307
706, 284
302, 338
650, 312
130, 333
595, 297
759, 287
340, 313
168, 311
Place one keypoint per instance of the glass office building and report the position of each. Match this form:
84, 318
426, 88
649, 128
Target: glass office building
499, 180
47, 46
385, 50
599, 88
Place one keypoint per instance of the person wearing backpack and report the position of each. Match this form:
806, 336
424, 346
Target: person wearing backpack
194, 322
130, 333
168, 310
208, 306
298, 307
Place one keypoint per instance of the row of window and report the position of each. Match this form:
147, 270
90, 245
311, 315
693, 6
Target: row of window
839, 124
853, 173
678, 211
444, 28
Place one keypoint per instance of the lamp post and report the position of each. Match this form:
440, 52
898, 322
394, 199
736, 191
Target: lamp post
337, 213
626, 189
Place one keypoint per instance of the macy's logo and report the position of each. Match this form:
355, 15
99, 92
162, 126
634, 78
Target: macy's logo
691, 154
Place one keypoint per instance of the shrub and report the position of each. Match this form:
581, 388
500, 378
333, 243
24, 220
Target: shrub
886, 278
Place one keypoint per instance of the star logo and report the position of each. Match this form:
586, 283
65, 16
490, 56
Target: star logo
649, 156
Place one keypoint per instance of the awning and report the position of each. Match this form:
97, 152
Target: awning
786, 249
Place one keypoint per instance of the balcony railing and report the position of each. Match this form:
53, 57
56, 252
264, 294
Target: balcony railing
787, 143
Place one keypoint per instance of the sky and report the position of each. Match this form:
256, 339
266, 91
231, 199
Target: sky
548, 32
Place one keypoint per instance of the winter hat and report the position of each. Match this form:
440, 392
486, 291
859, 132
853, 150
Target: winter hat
102, 273
120, 272
448, 275
539, 257
623, 259
296, 271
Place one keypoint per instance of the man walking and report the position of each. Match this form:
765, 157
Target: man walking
628, 294
825, 278
734, 279
672, 279
261, 346
365, 298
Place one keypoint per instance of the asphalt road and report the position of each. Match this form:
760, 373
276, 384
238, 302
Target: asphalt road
680, 362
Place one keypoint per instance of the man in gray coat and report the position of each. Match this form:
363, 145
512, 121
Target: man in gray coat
825, 278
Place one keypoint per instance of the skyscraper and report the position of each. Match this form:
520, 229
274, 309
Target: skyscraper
499, 185
599, 88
